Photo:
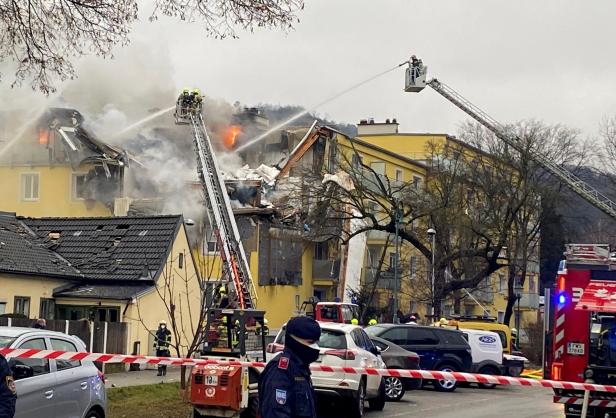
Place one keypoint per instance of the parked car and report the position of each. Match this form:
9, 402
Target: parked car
439, 349
487, 353
396, 357
54, 388
344, 345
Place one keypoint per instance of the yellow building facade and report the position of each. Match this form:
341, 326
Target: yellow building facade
492, 295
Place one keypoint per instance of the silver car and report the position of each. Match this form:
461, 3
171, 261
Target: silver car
54, 388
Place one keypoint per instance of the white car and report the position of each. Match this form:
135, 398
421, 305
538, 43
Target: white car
344, 345
486, 351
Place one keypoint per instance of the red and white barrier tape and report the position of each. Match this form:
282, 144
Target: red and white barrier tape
417, 374
573, 400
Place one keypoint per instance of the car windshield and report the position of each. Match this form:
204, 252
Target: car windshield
6, 341
329, 339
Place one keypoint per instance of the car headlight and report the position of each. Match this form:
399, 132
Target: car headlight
588, 373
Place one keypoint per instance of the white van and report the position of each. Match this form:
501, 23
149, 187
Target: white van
486, 351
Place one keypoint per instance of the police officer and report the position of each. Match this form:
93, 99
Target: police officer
8, 393
285, 387
162, 343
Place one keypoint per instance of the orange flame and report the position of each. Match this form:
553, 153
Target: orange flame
230, 136
43, 136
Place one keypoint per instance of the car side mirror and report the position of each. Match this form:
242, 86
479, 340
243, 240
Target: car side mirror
21, 371
375, 350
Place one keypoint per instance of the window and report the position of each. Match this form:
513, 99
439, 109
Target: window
30, 186
396, 335
413, 266
531, 285
211, 240
320, 251
329, 312
22, 305
416, 182
419, 336
2, 308
381, 345
63, 345
399, 175
502, 283
347, 314
361, 339
329, 339
392, 260
181, 261
47, 308
378, 167
38, 366
107, 314
78, 185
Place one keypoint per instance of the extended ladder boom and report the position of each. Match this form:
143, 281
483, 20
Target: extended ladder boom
416, 81
236, 269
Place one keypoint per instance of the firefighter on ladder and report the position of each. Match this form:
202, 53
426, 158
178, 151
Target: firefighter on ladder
161, 345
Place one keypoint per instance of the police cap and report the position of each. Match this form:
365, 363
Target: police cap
304, 327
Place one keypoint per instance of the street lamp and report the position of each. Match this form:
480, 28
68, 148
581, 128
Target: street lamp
432, 236
397, 219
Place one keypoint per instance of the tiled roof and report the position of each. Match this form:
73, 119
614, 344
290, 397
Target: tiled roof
120, 248
21, 252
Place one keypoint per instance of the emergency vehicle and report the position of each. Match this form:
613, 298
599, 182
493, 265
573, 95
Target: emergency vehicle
582, 327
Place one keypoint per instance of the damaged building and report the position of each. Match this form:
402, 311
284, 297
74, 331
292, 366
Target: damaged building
55, 167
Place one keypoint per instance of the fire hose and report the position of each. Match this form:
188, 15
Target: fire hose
213, 363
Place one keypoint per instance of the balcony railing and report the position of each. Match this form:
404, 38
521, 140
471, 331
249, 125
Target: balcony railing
326, 269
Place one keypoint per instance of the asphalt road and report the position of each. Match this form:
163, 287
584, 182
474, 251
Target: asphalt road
501, 402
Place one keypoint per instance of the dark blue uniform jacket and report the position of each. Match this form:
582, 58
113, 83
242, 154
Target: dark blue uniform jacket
8, 394
285, 388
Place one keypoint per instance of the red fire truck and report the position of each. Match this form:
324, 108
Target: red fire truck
581, 331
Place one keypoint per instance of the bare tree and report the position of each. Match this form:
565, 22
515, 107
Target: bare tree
187, 311
42, 38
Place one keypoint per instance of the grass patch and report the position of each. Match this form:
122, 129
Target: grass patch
147, 401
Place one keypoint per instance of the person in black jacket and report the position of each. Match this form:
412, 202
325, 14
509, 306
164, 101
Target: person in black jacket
8, 393
285, 386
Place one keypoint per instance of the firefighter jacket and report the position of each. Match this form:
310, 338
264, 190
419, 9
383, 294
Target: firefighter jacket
163, 339
285, 388
8, 393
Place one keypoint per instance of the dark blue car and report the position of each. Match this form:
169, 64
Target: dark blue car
438, 348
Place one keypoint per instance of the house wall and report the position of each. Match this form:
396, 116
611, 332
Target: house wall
145, 313
55, 193
29, 286
413, 146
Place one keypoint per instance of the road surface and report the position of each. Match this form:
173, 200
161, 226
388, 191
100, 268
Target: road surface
501, 402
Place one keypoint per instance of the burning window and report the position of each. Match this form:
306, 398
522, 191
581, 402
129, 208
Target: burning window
30, 186
79, 186
230, 136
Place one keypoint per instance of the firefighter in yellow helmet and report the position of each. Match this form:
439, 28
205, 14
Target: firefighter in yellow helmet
372, 322
162, 344
354, 321
223, 339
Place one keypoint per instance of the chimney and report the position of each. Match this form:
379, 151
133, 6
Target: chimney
370, 127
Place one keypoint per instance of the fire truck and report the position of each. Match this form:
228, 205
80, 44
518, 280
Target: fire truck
237, 330
581, 328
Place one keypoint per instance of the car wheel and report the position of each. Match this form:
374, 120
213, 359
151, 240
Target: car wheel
378, 403
394, 388
446, 385
357, 403
490, 371
93, 414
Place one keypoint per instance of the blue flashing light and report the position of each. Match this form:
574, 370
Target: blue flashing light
562, 299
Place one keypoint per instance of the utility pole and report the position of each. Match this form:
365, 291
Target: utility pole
432, 235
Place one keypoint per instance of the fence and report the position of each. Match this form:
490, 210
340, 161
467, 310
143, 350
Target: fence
101, 337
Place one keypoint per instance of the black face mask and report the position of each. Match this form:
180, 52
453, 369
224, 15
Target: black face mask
306, 354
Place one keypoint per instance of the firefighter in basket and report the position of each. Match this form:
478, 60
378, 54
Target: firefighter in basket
196, 102
162, 344
181, 105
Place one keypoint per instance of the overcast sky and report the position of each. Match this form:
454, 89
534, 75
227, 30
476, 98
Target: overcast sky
550, 60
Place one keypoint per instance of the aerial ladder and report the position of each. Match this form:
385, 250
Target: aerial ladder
416, 74
236, 270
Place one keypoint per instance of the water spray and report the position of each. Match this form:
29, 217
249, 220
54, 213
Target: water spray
314, 107
144, 120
